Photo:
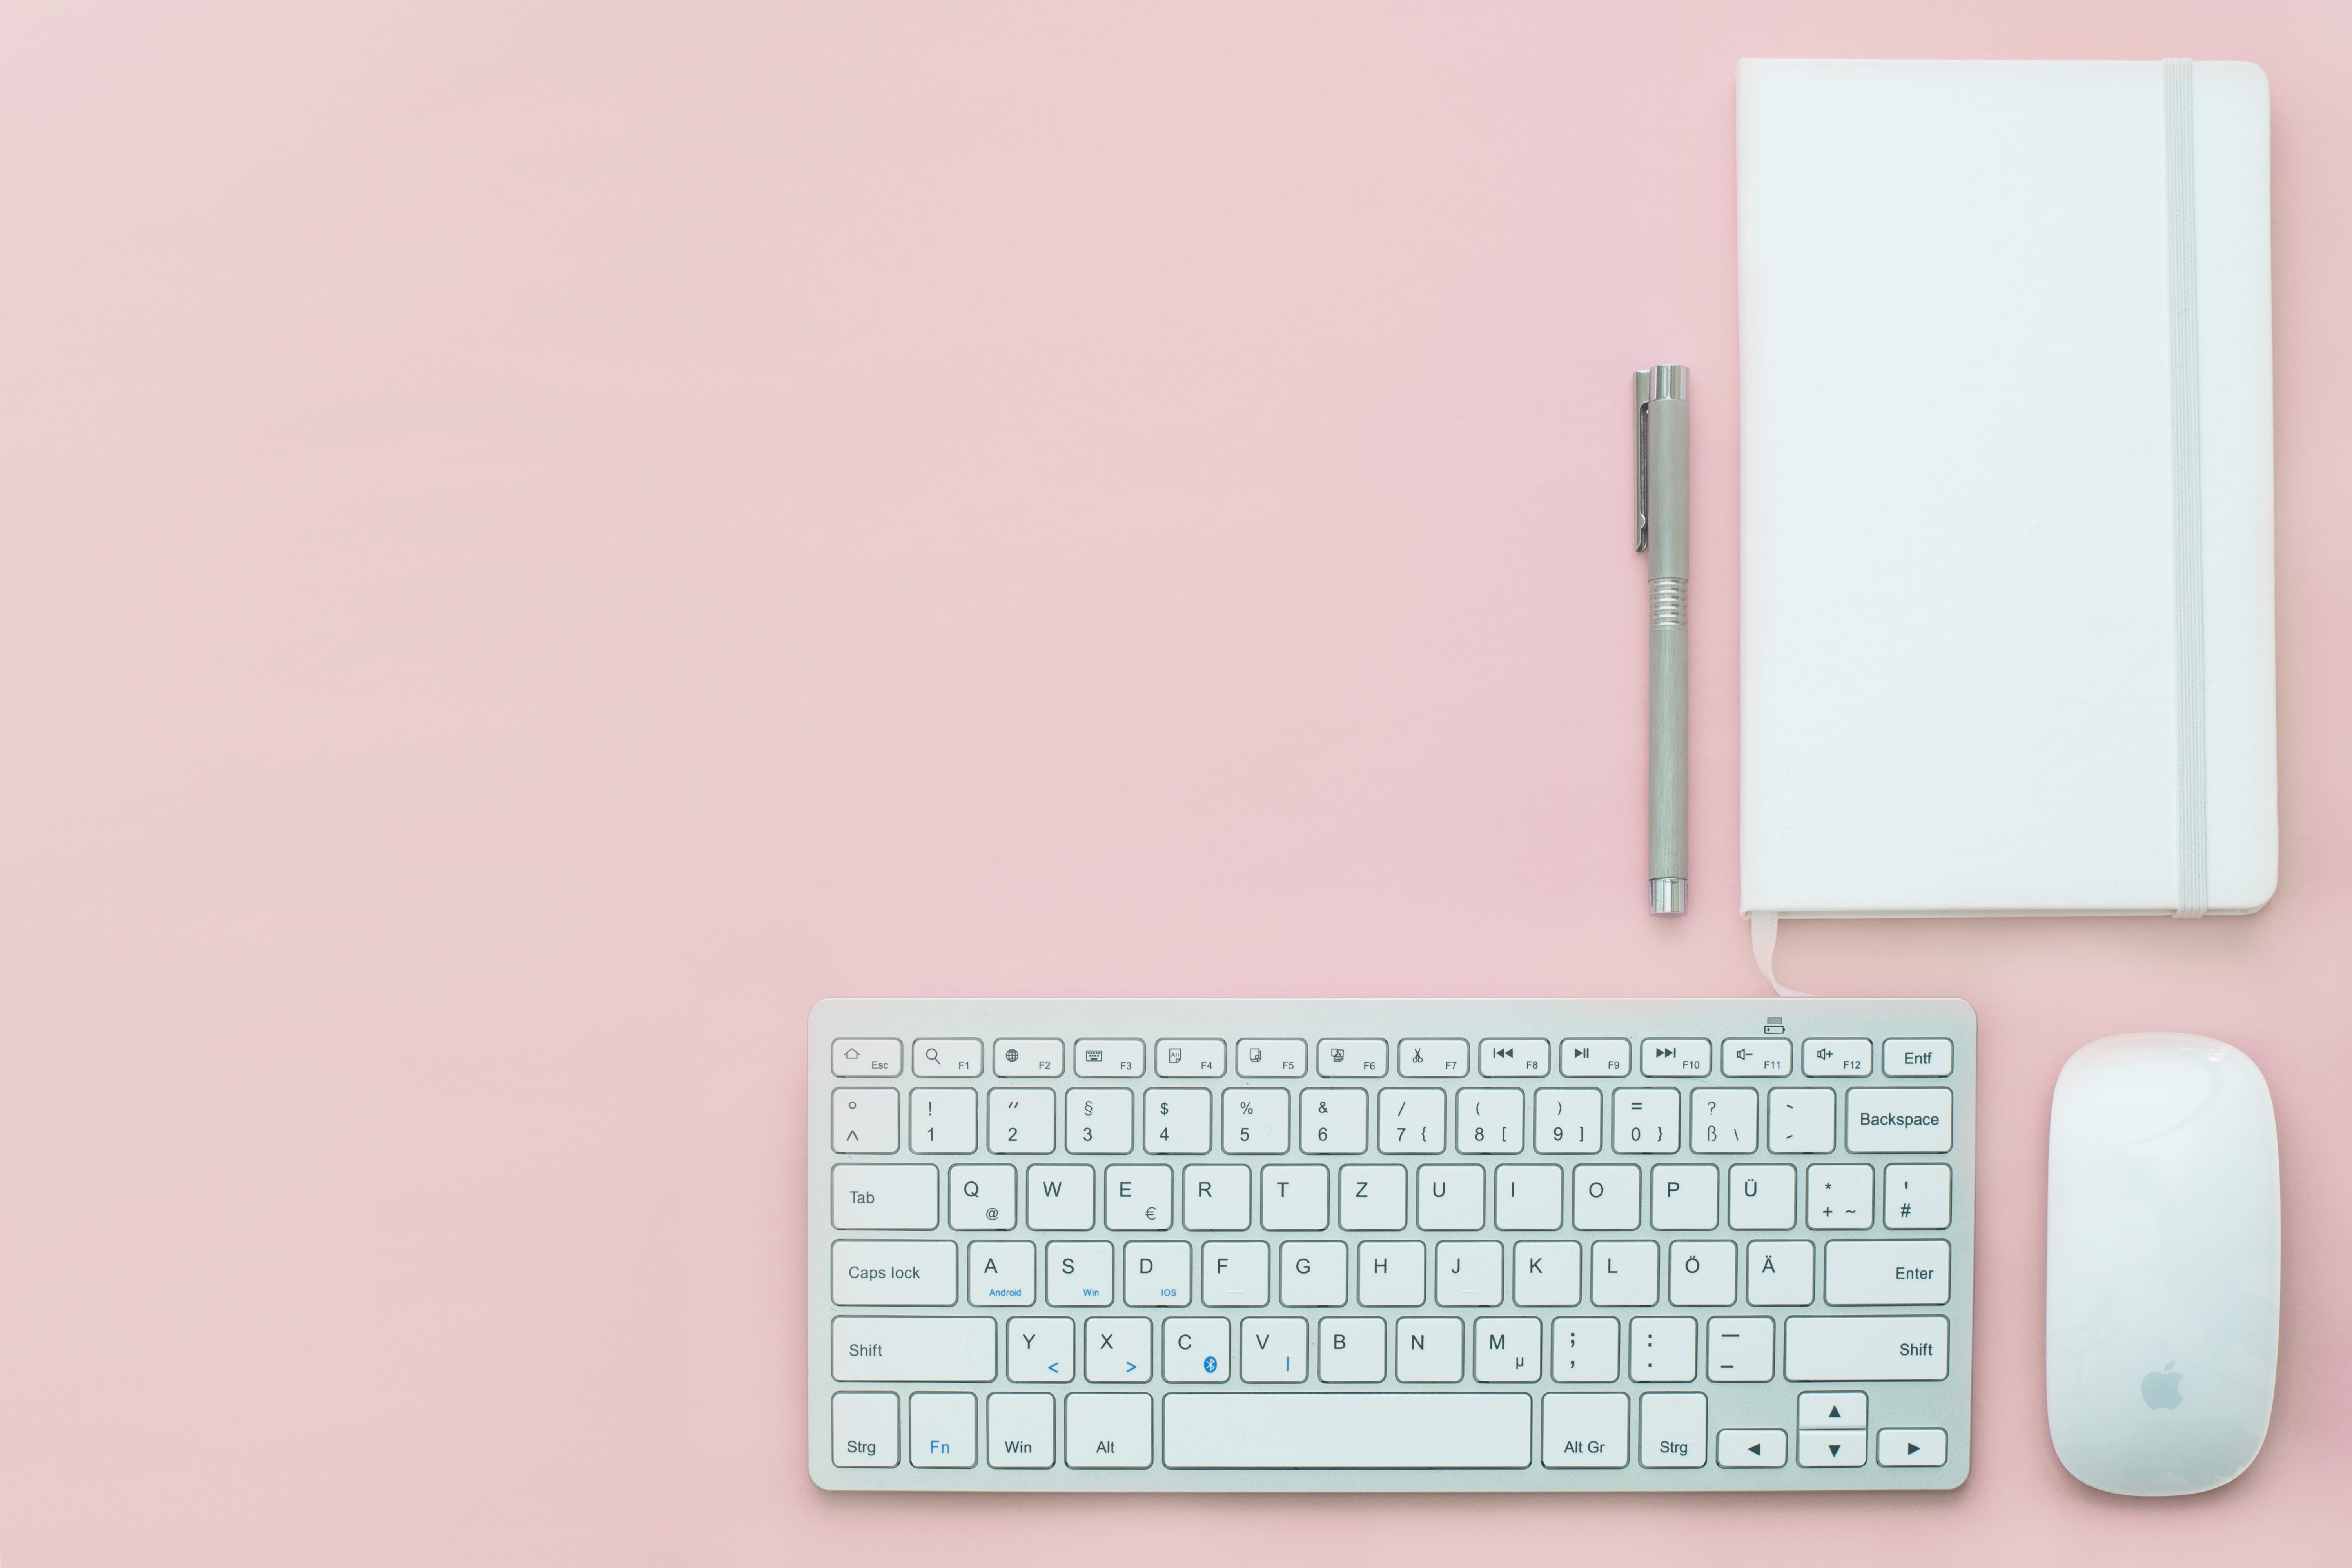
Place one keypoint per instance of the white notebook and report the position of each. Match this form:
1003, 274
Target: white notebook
2005, 488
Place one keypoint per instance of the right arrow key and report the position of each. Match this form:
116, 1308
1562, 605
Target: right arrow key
1917, 1446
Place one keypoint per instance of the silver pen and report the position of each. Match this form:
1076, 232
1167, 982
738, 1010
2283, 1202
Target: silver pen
1662, 529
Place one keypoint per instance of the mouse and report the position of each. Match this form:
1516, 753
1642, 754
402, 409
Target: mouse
2162, 1334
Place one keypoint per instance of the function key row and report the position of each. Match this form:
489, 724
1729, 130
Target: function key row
1362, 1060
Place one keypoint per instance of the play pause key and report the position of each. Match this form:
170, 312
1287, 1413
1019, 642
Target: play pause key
1911, 1445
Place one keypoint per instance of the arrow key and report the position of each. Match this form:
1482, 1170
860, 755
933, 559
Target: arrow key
1911, 1445
1831, 1450
1751, 1448
1840, 1412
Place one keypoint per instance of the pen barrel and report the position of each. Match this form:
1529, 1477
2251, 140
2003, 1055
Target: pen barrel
1666, 494
1669, 731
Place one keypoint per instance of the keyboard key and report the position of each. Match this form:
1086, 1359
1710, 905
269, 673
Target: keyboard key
1314, 1273
1235, 1273
1002, 1273
1351, 1350
1739, 1350
1372, 1197
1270, 1058
1751, 1448
1061, 1197
1192, 1058
1831, 1450
1028, 1058
1527, 1197
1041, 1350
1608, 1197
1838, 1197
1432, 1059
1584, 1349
1763, 1197
865, 1120
1514, 1058
1413, 1121
1898, 1121
1673, 1431
948, 1059
1391, 1273
865, 1430
1919, 1197
1294, 1197
1586, 1431
979, 1197
1923, 1445
1887, 1274
1507, 1350
1158, 1274
1098, 1121
1450, 1197
1547, 1273
1677, 1058
1773, 1056
1110, 1059
1139, 1197
1078, 1273
1595, 1058
1469, 1273
1429, 1349
1802, 1121
1662, 1349
894, 1273
1780, 1273
1176, 1120
1021, 1431
1216, 1197
885, 1197
1118, 1349
866, 1059
1352, 1059
1568, 1122
1867, 1350
914, 1349
1197, 1350
1490, 1121
943, 1120
1723, 1122
1020, 1121
1257, 1122
1273, 1350
1703, 1273
1645, 1121
1836, 1058
943, 1431
1348, 1431
1843, 1412
1333, 1120
1624, 1273
1683, 1197
1917, 1058
1109, 1431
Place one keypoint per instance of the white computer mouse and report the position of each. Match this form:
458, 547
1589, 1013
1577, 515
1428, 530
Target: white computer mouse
2162, 1345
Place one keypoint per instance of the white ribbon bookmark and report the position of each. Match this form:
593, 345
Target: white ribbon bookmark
1763, 934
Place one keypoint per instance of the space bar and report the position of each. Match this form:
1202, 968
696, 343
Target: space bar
1347, 1431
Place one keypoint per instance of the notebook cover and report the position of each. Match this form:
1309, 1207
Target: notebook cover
1958, 680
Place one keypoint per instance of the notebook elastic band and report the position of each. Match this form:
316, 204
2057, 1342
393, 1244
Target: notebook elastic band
2188, 480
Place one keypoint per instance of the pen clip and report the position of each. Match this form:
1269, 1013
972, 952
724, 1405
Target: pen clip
1642, 381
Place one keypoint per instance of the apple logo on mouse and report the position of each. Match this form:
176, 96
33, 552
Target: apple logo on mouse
2161, 1389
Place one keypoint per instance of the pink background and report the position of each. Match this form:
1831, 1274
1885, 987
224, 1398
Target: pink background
536, 541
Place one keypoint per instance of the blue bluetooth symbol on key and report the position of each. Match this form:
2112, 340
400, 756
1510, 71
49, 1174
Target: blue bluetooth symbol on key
1208, 1364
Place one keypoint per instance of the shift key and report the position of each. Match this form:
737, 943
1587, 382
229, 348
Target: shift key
914, 1349
1867, 1350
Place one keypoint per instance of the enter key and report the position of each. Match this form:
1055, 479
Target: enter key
1888, 1274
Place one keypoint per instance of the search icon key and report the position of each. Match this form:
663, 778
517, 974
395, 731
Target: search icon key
947, 1058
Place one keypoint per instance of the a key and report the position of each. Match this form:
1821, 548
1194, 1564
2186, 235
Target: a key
885, 1197
1351, 1350
1919, 1197
948, 1059
1139, 1197
1077, 1274
1624, 1273
1739, 1350
1110, 1059
1661, 1349
1677, 1058
1270, 1058
1752, 1447
1674, 1430
1451, 1197
865, 1430
1547, 1273
1391, 1273
1507, 1350
1836, 1058
1838, 1197
1646, 1121
865, 1120
1916, 1058
1773, 1056
1683, 1197
1887, 1273
1802, 1121
943, 1120
1898, 1121
1606, 1197
1490, 1121
1098, 1120
1041, 1350
1843, 1411
1867, 1350
1108, 1431
1413, 1121
1192, 1058
1568, 1122
1333, 1120
1234, 1273
1831, 1450
1723, 1122
943, 1431
1911, 1444
1294, 1197
1197, 1350
1257, 1122
1383, 1431
1314, 1273
979, 1197
1527, 1197
1586, 1431
1372, 1197
1176, 1120
1469, 1273
1216, 1197
1763, 1197
1020, 1121
1002, 1273
1703, 1273
1118, 1349
1584, 1349
1020, 1431
1595, 1058
1061, 1197
1429, 1349
1351, 1058
914, 1349
1273, 1350
866, 1059
894, 1273
1028, 1058
1780, 1273
1432, 1059
1514, 1058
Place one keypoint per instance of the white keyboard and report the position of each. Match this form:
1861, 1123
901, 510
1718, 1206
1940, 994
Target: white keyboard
1359, 1246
